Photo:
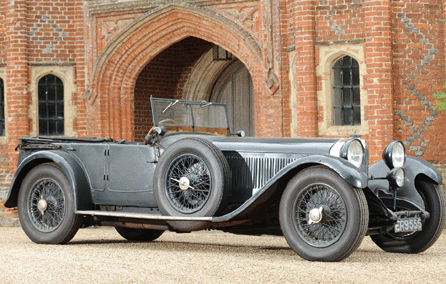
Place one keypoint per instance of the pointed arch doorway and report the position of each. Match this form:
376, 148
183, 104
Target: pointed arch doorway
234, 87
186, 70
114, 91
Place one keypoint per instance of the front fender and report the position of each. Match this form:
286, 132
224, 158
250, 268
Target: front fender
413, 168
346, 170
71, 168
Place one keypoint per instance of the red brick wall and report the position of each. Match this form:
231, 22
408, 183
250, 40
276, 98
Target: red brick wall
36, 33
304, 19
404, 53
51, 30
2, 32
16, 93
418, 69
56, 35
340, 20
41, 33
378, 57
78, 100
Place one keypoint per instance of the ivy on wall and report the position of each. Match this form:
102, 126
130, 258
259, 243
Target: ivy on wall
441, 105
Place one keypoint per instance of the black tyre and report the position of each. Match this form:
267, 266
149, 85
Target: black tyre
192, 179
143, 235
419, 241
321, 216
46, 206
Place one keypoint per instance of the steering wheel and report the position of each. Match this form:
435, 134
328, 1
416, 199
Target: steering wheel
167, 120
149, 134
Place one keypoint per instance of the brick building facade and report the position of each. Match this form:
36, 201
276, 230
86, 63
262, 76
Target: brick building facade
298, 68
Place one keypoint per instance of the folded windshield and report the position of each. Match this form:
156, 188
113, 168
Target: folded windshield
188, 116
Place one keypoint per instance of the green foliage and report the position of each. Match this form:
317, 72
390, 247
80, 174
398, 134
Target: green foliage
441, 105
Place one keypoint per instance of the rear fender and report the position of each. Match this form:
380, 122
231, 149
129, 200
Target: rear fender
71, 168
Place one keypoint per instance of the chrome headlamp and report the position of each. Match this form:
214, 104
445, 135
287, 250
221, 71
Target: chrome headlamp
395, 155
396, 177
353, 152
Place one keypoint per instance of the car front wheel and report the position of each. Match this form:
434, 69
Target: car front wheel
419, 241
322, 217
46, 206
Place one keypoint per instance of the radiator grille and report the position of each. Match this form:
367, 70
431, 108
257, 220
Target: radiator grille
254, 172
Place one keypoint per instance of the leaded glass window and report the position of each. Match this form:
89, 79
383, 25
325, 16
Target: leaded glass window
2, 108
347, 103
51, 106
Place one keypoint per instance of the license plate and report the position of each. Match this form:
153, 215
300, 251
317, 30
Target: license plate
408, 225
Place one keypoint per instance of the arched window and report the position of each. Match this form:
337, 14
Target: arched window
2, 108
347, 103
51, 106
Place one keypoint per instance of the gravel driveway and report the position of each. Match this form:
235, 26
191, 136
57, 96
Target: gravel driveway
102, 256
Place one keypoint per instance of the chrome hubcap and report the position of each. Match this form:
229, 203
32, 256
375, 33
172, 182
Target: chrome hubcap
315, 215
42, 205
184, 183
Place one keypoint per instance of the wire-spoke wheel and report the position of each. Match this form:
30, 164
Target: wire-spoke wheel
192, 179
188, 183
322, 217
46, 206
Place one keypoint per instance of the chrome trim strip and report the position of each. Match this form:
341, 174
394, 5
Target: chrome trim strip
141, 216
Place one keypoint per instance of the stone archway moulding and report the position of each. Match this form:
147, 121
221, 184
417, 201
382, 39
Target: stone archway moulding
205, 73
119, 64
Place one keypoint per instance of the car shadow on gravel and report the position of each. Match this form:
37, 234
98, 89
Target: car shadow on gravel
364, 255
188, 246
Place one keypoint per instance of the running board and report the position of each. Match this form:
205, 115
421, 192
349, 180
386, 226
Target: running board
140, 216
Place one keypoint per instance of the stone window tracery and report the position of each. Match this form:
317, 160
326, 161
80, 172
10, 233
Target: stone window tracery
51, 106
342, 96
346, 91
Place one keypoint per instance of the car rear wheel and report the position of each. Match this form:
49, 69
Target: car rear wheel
46, 206
144, 235
419, 241
192, 179
322, 217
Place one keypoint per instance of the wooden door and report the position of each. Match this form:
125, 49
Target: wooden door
235, 88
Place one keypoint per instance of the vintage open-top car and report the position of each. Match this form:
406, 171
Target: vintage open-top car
192, 173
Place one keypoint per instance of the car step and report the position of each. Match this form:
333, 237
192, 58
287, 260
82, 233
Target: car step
140, 216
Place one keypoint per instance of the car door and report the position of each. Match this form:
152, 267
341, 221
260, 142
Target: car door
92, 157
129, 175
